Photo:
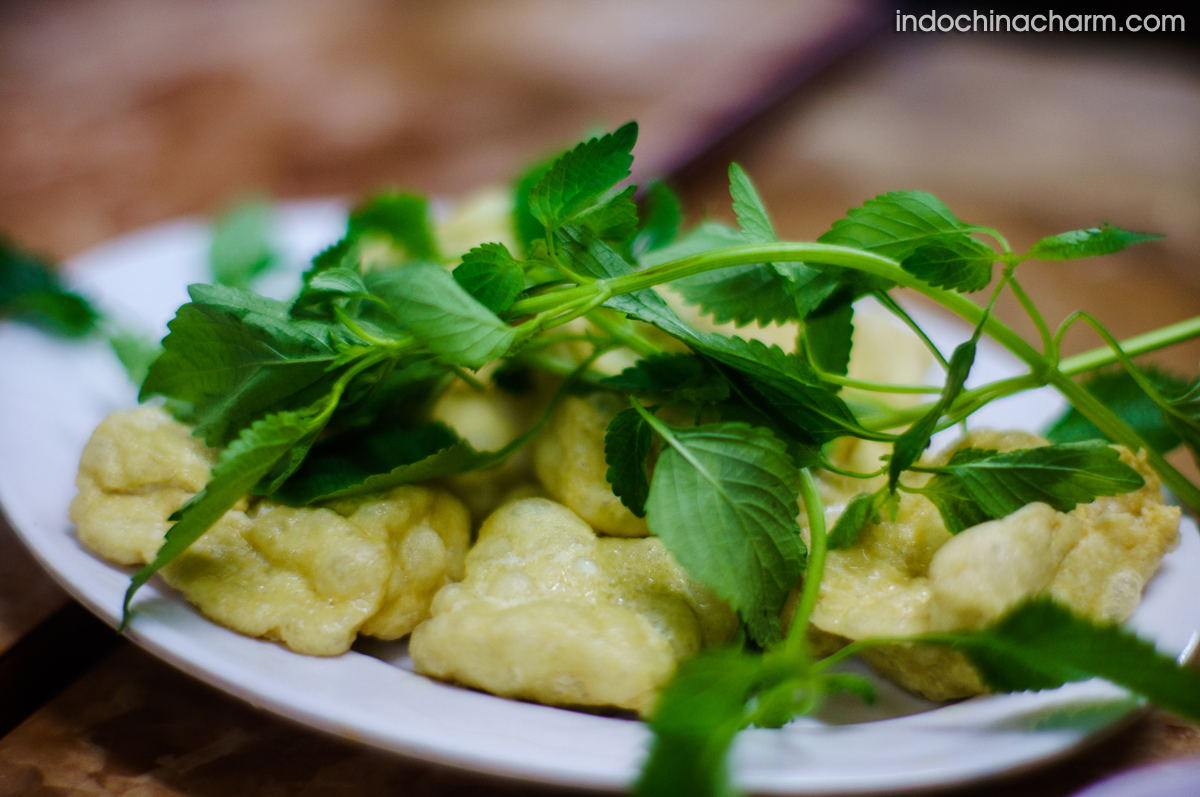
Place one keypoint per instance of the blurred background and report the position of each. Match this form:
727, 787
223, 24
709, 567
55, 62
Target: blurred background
115, 114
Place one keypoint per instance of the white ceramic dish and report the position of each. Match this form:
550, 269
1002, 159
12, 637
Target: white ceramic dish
53, 393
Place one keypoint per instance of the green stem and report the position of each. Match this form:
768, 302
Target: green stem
1139, 344
1049, 345
895, 309
621, 330
876, 387
815, 509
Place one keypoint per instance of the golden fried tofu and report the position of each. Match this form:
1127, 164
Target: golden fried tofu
569, 459
910, 576
311, 578
550, 612
137, 468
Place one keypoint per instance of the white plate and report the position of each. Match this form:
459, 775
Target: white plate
53, 393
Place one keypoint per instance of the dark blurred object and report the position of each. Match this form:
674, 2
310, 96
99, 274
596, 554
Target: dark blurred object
1172, 779
124, 112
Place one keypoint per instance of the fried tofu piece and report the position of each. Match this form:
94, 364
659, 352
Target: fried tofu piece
910, 576
569, 459
552, 613
311, 578
137, 468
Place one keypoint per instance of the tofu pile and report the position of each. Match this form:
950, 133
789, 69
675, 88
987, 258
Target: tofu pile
565, 598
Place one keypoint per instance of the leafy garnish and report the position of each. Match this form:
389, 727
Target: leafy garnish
829, 337
136, 352
615, 221
958, 262
626, 445
1091, 242
492, 275
697, 715
660, 219
1042, 645
30, 290
913, 442
861, 509
1063, 476
241, 246
580, 176
1120, 392
430, 304
681, 377
401, 218
723, 500
952, 498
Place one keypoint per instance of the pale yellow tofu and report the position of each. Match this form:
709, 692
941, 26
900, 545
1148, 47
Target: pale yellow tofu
569, 459
552, 613
311, 578
137, 468
910, 576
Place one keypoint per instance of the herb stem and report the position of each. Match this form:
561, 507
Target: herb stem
876, 387
622, 331
895, 309
815, 510
1049, 343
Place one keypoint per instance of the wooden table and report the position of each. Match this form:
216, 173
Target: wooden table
123, 113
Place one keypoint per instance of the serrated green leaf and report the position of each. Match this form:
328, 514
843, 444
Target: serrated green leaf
895, 224
247, 461
862, 508
725, 505
581, 175
1094, 241
748, 207
241, 246
682, 377
704, 237
527, 228
780, 385
1183, 416
332, 283
428, 303
1042, 645
913, 442
402, 218
626, 446
1063, 476
829, 336
958, 263
233, 356
1121, 393
952, 499
694, 723
661, 216
31, 291
615, 221
492, 275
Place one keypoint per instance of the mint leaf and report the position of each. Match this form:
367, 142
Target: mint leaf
31, 291
243, 465
780, 385
336, 282
581, 175
616, 220
1042, 645
959, 263
862, 508
724, 502
829, 337
695, 721
626, 446
1063, 476
895, 224
235, 356
748, 207
402, 218
526, 226
661, 216
952, 498
136, 352
492, 275
913, 442
1091, 242
1121, 393
428, 303
241, 246
763, 292
681, 377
